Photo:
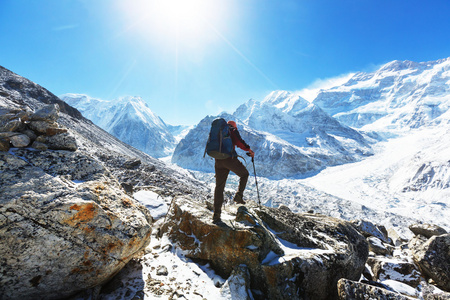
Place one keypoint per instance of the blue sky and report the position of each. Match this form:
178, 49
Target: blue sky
191, 58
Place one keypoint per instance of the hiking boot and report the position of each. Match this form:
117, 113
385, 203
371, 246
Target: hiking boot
218, 222
238, 199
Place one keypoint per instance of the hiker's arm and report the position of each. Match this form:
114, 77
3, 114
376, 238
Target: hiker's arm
238, 141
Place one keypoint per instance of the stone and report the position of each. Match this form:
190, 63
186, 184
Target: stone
63, 141
54, 130
427, 230
237, 285
4, 144
430, 292
162, 271
395, 237
49, 113
39, 146
378, 247
433, 259
132, 163
288, 255
30, 133
369, 229
348, 289
390, 269
11, 125
58, 237
41, 127
20, 140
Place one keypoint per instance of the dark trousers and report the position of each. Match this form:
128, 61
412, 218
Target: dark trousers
223, 168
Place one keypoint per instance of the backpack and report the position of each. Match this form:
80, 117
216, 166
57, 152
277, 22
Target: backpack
219, 145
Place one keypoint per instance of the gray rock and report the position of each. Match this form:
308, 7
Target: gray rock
30, 133
378, 247
396, 238
49, 113
41, 127
39, 146
59, 237
64, 141
20, 140
433, 259
427, 230
430, 292
162, 271
11, 125
385, 269
288, 255
369, 229
352, 290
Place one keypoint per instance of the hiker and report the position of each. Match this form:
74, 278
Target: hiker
223, 168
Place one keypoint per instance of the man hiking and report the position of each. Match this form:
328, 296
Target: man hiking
223, 168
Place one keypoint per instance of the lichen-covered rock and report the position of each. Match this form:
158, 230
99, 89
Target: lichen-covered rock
59, 236
352, 290
433, 259
288, 255
427, 230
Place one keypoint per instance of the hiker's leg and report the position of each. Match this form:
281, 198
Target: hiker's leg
221, 180
240, 170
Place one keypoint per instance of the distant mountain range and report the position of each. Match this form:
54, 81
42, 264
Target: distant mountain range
291, 136
401, 94
130, 120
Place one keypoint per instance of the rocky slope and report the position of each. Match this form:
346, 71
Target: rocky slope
66, 223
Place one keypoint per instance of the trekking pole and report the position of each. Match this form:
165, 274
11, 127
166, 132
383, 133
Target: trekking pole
159, 232
256, 182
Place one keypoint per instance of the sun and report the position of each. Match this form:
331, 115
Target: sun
183, 21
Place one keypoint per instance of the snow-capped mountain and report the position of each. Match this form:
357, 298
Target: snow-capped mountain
292, 138
129, 119
399, 95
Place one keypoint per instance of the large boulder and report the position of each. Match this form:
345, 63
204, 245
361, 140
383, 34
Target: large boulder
288, 255
64, 224
427, 230
433, 259
352, 290
392, 269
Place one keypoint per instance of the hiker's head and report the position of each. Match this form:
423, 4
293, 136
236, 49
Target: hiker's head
232, 124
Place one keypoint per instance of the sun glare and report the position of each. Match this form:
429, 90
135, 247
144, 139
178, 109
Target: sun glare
173, 20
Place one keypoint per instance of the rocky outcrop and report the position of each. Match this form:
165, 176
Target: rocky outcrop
21, 128
288, 255
433, 259
427, 230
394, 269
352, 290
64, 224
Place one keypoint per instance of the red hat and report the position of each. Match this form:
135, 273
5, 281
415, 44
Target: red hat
232, 123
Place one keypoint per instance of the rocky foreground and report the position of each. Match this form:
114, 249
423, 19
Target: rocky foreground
71, 229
